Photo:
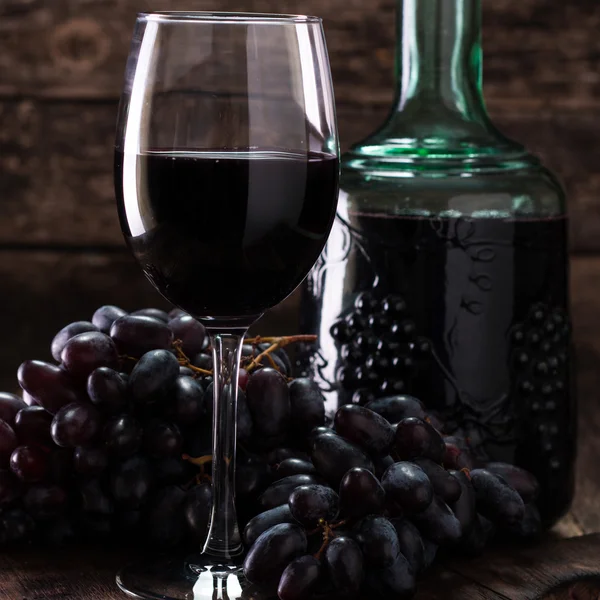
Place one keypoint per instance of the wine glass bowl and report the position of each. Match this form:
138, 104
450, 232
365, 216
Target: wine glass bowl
226, 177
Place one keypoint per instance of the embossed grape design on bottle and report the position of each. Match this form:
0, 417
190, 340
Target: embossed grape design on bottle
446, 273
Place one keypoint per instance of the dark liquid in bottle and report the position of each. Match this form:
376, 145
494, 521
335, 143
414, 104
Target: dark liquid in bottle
476, 324
226, 233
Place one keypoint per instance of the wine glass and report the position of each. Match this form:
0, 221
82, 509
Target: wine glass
226, 175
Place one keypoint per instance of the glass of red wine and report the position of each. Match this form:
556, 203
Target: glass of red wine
226, 176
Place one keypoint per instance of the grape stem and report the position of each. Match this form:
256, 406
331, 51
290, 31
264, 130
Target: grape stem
184, 361
328, 535
276, 343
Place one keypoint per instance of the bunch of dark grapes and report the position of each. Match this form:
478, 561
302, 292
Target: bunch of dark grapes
113, 441
381, 492
381, 352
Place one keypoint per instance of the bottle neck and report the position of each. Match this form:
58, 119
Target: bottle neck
439, 58
439, 111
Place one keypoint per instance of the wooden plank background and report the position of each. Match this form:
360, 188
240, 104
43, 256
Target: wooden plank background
61, 66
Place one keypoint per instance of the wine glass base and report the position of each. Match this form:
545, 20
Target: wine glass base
193, 578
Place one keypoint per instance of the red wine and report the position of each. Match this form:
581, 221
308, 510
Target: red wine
471, 315
226, 233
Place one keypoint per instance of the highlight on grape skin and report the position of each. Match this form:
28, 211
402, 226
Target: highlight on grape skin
114, 442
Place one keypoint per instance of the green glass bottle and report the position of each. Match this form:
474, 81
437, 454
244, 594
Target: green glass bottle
446, 273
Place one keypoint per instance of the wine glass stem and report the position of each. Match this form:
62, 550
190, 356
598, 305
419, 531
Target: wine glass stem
224, 541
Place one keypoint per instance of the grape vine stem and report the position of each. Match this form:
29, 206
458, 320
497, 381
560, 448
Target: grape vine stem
275, 344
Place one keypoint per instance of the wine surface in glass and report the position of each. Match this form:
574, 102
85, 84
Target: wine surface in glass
226, 232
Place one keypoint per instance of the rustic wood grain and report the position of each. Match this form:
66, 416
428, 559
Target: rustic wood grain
537, 51
548, 570
56, 161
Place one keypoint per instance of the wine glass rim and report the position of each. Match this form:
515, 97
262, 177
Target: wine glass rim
238, 17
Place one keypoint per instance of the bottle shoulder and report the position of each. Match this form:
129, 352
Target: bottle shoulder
521, 187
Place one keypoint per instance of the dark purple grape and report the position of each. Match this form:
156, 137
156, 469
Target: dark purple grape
496, 500
105, 316
10, 488
175, 313
265, 520
529, 527
86, 352
268, 399
107, 389
135, 336
279, 356
187, 403
164, 520
382, 464
153, 375
75, 425
519, 479
278, 493
16, 525
172, 471
333, 457
196, 510
272, 553
153, 313
30, 464
203, 361
252, 476
394, 581
307, 405
186, 372
278, 455
445, 485
474, 542
48, 384
300, 578
361, 494
377, 540
131, 481
10, 405
396, 408
66, 333
344, 566
411, 543
90, 461
94, 498
310, 504
464, 507
456, 456
61, 465
8, 443
417, 439
392, 386
438, 523
122, 436
162, 439
32, 426
408, 486
190, 332
44, 501
365, 428
294, 466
